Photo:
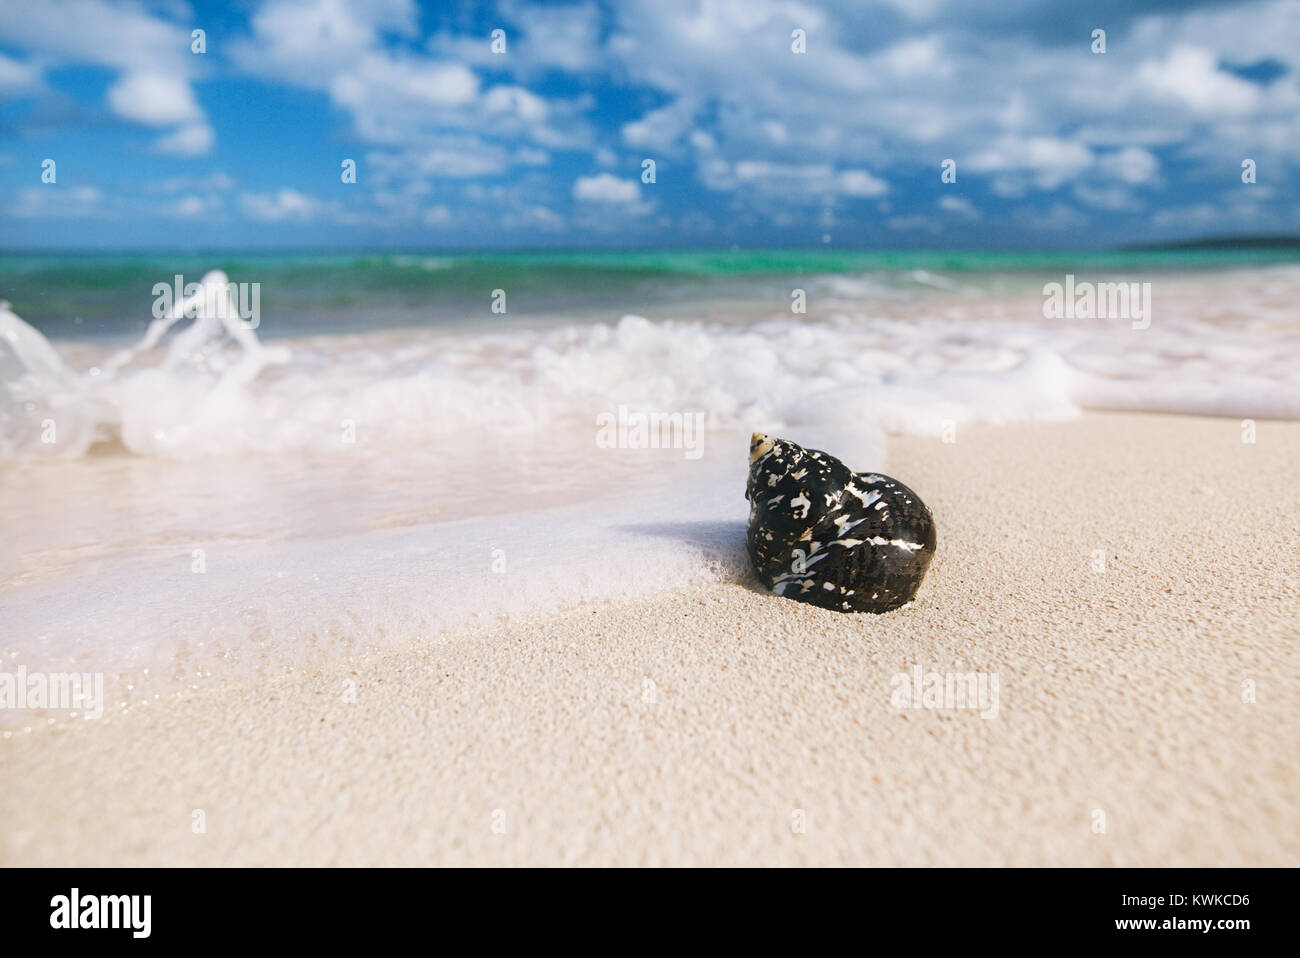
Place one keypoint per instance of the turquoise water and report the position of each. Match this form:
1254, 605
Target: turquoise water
90, 295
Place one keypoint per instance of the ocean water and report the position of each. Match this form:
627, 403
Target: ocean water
107, 296
387, 459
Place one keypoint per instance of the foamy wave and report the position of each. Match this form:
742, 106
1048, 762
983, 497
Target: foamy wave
907, 376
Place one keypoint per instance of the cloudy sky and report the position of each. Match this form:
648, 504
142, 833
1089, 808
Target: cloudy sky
457, 144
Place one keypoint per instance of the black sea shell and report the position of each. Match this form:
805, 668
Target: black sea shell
820, 533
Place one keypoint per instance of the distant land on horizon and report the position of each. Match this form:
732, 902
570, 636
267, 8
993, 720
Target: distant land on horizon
1222, 242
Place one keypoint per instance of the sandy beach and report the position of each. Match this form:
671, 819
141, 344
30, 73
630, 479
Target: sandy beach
1144, 710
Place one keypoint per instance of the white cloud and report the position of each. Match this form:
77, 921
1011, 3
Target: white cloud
703, 142
152, 54
190, 206
798, 183
412, 101
438, 215
1047, 161
375, 79
861, 183
774, 131
193, 139
17, 78
38, 202
539, 38
155, 99
516, 101
1130, 165
921, 57
1045, 118
661, 128
121, 36
606, 188
1191, 76
461, 156
1114, 198
959, 205
528, 156
564, 36
282, 205
545, 217
309, 41
194, 206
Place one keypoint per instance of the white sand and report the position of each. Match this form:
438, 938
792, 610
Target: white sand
1120, 692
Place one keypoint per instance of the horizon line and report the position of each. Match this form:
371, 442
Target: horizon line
1244, 242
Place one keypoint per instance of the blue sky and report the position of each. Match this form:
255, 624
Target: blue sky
543, 145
